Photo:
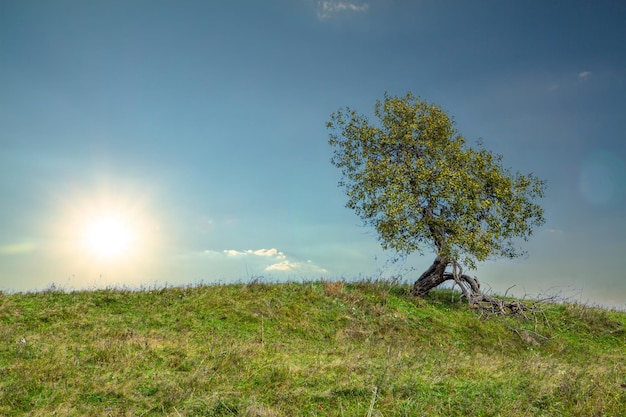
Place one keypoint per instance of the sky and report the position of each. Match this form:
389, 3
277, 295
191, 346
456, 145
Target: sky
151, 143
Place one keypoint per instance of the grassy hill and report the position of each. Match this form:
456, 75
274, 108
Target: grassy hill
312, 349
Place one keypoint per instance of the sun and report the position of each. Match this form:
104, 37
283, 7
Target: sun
109, 237
109, 234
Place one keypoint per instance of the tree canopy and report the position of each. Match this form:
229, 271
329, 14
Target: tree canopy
412, 176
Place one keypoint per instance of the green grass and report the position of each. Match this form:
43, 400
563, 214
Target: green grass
312, 349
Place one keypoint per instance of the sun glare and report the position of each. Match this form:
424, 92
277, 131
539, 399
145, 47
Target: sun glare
105, 237
109, 237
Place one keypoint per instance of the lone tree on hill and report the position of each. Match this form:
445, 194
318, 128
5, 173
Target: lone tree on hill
412, 176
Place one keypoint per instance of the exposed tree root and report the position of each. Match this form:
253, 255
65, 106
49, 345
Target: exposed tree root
470, 289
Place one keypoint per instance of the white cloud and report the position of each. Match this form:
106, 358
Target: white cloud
327, 8
584, 75
229, 252
270, 260
267, 252
308, 267
283, 266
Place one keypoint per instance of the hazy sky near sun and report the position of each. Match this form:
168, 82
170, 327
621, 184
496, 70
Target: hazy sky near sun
201, 124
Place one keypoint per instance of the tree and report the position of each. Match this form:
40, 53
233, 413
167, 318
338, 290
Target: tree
412, 177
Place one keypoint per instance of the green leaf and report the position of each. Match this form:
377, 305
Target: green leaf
412, 177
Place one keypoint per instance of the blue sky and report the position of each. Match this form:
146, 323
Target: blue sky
202, 125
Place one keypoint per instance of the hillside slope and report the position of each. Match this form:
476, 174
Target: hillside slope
314, 349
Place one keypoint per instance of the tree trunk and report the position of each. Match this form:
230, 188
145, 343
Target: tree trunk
431, 278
